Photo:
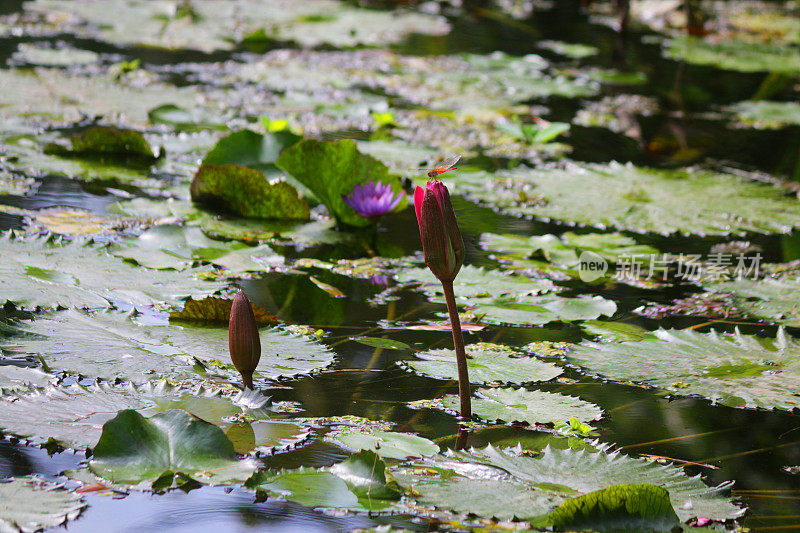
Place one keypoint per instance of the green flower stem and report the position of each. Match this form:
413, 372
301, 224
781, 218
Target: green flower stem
461, 355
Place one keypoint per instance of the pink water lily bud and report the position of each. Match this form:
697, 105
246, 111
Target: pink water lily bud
243, 340
438, 229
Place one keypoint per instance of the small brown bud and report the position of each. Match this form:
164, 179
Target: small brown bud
243, 340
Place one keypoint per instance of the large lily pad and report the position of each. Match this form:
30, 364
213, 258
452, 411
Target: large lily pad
475, 282
730, 369
331, 169
133, 449
389, 444
138, 352
73, 416
178, 247
736, 54
487, 364
639, 199
251, 149
55, 95
30, 504
531, 407
514, 484
765, 114
248, 193
771, 299
44, 272
218, 25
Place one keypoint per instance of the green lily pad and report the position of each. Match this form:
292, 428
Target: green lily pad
366, 477
177, 247
638, 199
535, 310
487, 364
54, 57
307, 486
475, 282
360, 483
133, 449
32, 504
331, 169
571, 50
59, 96
736, 54
73, 416
15, 378
106, 141
247, 192
771, 299
217, 25
378, 342
137, 352
182, 119
764, 114
45, 272
250, 149
731, 369
514, 484
618, 508
387, 444
530, 407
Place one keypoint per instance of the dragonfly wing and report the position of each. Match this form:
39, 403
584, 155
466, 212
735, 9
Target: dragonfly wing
449, 162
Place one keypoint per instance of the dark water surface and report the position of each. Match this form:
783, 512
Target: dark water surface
748, 446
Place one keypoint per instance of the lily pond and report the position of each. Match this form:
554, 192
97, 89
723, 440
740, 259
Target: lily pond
626, 192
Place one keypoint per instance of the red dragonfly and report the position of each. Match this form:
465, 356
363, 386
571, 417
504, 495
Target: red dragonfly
442, 167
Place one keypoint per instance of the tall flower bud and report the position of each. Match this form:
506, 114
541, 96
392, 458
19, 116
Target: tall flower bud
243, 340
438, 229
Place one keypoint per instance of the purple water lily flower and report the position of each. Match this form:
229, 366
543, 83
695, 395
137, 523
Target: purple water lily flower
371, 200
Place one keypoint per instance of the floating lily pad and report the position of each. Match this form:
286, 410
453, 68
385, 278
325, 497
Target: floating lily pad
639, 199
44, 272
487, 364
359, 483
56, 95
14, 184
66, 221
378, 342
736, 54
133, 449
331, 169
534, 310
571, 50
251, 149
771, 299
31, 504
563, 254
73, 415
731, 369
106, 141
15, 378
764, 114
219, 25
247, 192
513, 484
178, 247
138, 352
388, 444
642, 507
530, 407
476, 282
54, 57
183, 119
